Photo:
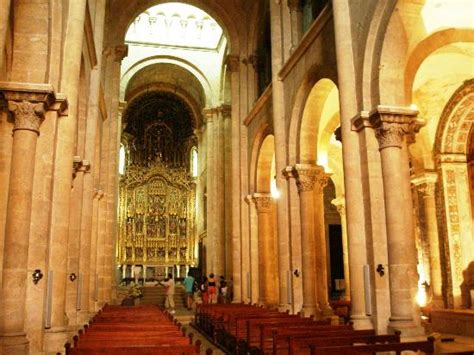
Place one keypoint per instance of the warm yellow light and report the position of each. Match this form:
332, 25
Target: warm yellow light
438, 14
273, 189
421, 296
414, 107
122, 160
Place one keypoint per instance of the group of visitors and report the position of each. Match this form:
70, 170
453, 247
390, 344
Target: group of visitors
209, 290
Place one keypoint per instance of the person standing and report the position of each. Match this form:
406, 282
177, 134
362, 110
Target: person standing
204, 290
189, 288
169, 285
212, 289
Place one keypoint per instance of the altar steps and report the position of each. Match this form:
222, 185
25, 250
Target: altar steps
156, 295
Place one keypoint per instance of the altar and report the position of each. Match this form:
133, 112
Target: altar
453, 321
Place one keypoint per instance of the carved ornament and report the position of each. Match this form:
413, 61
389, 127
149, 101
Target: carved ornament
263, 202
425, 183
392, 124
340, 203
27, 115
310, 177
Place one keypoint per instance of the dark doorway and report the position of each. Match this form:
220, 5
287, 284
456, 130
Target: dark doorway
336, 260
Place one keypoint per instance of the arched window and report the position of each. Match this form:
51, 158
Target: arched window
122, 160
194, 162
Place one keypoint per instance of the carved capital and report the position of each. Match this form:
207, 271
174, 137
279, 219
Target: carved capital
233, 63
28, 103
425, 183
120, 51
226, 111
340, 204
27, 115
310, 177
296, 5
392, 124
287, 172
263, 202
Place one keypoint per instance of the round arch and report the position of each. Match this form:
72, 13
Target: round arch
188, 66
131, 9
196, 109
428, 46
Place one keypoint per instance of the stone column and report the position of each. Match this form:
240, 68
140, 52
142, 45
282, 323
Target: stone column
355, 212
59, 233
267, 265
340, 204
219, 184
210, 191
228, 190
321, 180
28, 106
239, 275
391, 125
296, 13
305, 180
280, 24
425, 183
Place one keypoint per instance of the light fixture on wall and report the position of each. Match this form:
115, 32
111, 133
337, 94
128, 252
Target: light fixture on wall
37, 275
296, 273
72, 277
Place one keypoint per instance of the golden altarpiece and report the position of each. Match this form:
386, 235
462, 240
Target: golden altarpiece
157, 190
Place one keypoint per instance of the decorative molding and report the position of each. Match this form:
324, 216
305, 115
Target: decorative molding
307, 41
392, 123
233, 63
453, 158
361, 121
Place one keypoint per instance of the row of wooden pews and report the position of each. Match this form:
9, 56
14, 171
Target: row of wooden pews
140, 330
248, 329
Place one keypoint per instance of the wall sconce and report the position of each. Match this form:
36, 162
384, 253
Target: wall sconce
72, 276
296, 273
380, 269
37, 275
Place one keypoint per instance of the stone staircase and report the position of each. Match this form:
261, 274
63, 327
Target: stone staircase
156, 295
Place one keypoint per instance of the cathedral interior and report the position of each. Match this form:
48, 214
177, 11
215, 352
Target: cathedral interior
309, 151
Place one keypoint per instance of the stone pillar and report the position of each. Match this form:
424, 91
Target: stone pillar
219, 183
320, 181
267, 265
355, 212
238, 272
56, 336
296, 13
391, 125
340, 204
305, 179
228, 190
425, 183
210, 191
280, 24
28, 105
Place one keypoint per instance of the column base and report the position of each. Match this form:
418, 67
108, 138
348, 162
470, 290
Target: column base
83, 317
311, 310
407, 327
54, 339
361, 322
14, 343
326, 310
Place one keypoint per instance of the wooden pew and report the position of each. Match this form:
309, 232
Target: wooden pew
426, 347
